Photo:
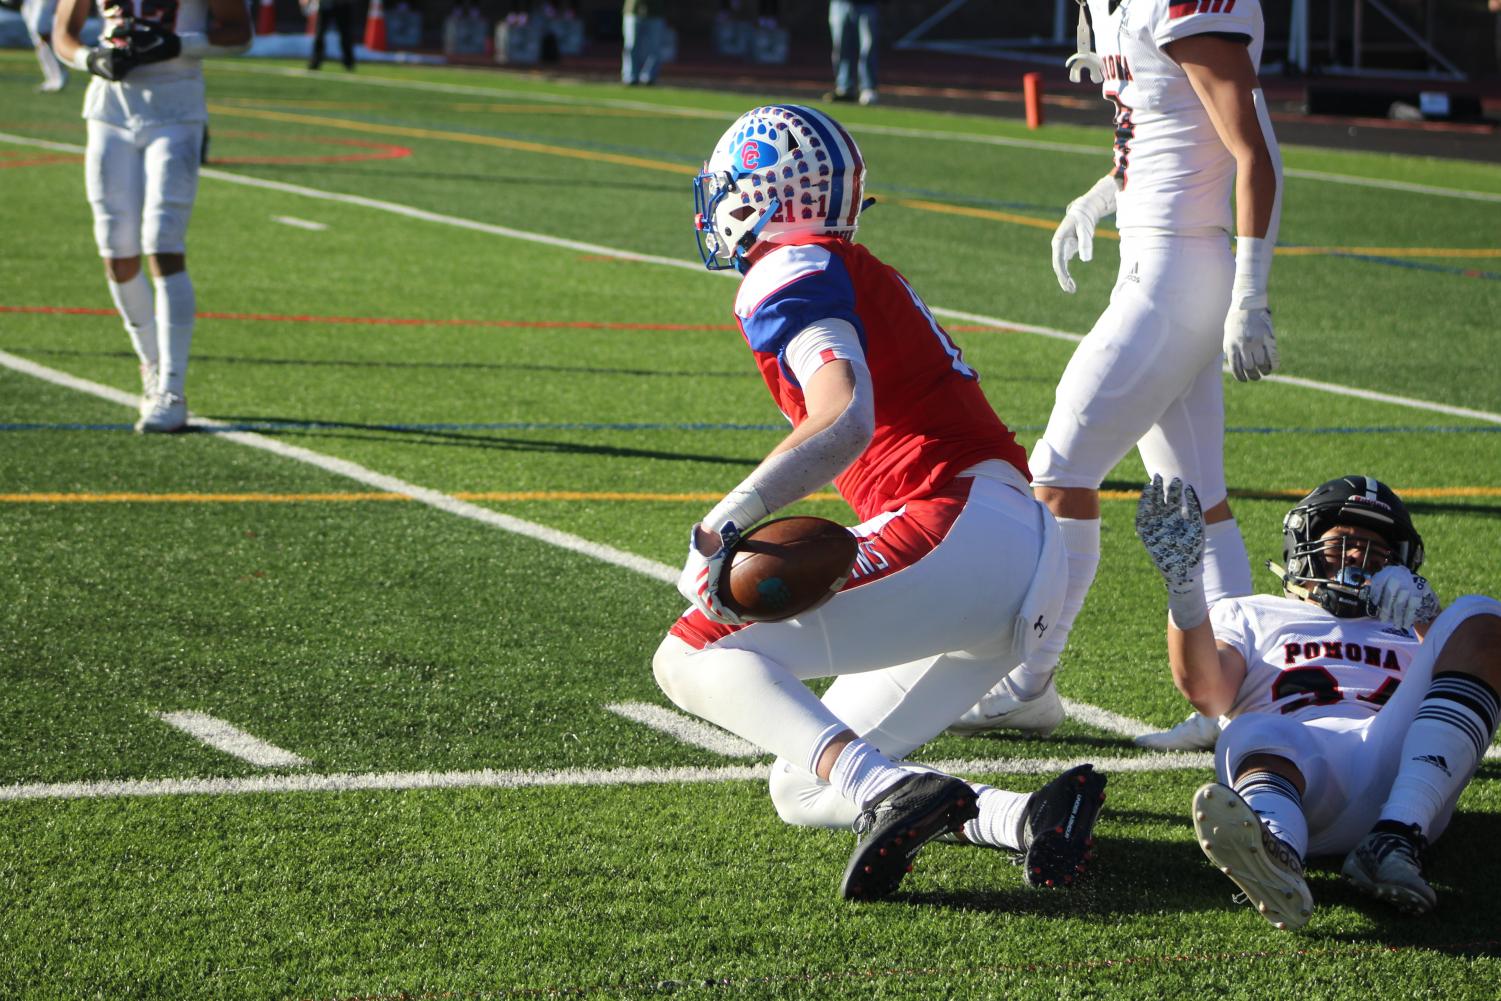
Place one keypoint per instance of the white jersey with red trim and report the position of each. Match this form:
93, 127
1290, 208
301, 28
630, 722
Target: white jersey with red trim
1173, 172
157, 93
1299, 656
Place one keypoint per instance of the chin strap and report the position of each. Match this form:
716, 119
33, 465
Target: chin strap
1084, 60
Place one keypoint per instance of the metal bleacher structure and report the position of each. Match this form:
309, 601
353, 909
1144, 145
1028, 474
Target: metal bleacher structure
1358, 49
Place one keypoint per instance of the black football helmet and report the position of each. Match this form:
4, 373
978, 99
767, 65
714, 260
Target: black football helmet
1360, 501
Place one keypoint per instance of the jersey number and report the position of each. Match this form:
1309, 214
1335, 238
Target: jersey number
956, 357
1319, 688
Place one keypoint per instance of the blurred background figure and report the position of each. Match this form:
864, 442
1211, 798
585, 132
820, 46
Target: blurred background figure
38, 15
641, 25
853, 28
341, 14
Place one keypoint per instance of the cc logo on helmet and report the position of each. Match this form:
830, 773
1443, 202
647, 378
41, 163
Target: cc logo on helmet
756, 154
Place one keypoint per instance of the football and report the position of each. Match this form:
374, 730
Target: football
785, 567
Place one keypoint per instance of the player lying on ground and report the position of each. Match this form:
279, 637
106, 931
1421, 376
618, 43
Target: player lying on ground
1358, 712
959, 570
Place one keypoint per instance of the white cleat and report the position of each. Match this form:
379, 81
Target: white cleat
1002, 709
869, 97
168, 413
1197, 733
148, 389
1268, 872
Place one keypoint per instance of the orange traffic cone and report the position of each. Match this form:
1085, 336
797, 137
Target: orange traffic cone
375, 27
266, 18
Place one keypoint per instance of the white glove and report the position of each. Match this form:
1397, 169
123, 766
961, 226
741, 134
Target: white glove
1250, 344
1170, 524
1401, 597
699, 581
1075, 234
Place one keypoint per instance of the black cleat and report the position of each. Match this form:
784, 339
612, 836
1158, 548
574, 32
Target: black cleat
1058, 837
894, 827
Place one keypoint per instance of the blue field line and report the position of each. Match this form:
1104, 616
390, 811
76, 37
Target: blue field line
1399, 262
688, 426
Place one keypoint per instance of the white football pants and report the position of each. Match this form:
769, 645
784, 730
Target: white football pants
912, 646
141, 185
1149, 373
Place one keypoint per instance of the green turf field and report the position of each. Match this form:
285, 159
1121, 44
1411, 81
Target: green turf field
471, 387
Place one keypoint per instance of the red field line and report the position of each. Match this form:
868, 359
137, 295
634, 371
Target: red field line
411, 321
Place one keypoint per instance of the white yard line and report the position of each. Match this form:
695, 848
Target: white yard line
293, 221
686, 729
222, 736
682, 111
1104, 719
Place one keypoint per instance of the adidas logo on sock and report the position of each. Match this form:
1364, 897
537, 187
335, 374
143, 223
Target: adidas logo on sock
1437, 761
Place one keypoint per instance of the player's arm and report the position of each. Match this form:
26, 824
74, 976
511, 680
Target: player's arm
1221, 72
67, 25
1171, 526
829, 363
1208, 673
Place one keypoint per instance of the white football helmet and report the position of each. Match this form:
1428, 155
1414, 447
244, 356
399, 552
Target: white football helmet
780, 169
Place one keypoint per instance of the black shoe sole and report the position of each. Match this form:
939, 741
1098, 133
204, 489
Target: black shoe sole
886, 855
1062, 848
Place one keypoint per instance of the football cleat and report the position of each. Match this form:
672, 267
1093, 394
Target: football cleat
1268, 872
894, 827
1058, 834
1002, 709
168, 413
148, 388
868, 97
1197, 733
1388, 865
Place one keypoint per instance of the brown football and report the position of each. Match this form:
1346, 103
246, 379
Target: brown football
785, 567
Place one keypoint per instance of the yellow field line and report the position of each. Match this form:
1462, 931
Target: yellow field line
522, 496
593, 156
645, 163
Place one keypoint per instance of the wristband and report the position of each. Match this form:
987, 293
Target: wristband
742, 505
80, 59
1253, 268
1186, 604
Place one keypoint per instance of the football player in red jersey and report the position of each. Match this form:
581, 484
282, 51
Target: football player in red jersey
146, 119
959, 571
1357, 710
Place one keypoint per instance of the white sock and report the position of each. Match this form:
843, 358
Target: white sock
1081, 538
1002, 817
1277, 802
136, 305
861, 773
53, 74
1454, 726
1227, 567
175, 305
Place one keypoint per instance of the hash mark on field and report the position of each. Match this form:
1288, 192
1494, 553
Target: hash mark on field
287, 220
231, 740
686, 729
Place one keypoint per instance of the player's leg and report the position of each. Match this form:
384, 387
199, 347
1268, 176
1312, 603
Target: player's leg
1188, 442
1454, 724
1252, 824
115, 179
345, 15
1147, 349
171, 168
944, 576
